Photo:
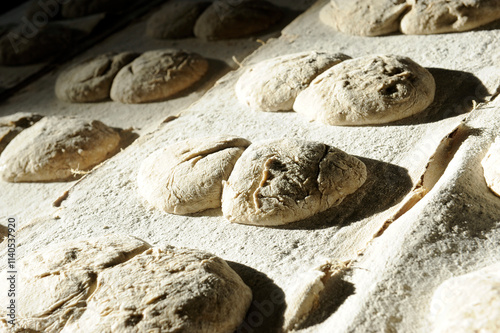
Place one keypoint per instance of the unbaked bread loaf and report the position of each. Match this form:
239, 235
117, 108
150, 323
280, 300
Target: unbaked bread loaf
374, 89
55, 148
186, 177
273, 84
157, 75
281, 181
90, 81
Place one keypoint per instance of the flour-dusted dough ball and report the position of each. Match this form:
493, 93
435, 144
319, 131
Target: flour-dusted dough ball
491, 167
375, 89
90, 81
281, 181
273, 85
226, 19
54, 147
362, 17
157, 75
468, 303
57, 280
12, 125
166, 290
175, 19
186, 177
441, 16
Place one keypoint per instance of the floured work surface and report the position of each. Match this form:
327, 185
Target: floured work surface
389, 284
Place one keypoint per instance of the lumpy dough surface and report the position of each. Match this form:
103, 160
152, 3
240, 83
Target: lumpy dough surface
374, 89
90, 81
281, 181
157, 75
273, 85
166, 290
186, 177
55, 147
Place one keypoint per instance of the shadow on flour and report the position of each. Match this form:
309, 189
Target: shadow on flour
455, 93
386, 185
268, 306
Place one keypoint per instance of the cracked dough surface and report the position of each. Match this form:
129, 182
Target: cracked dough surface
441, 16
273, 85
491, 167
468, 303
57, 280
281, 181
166, 290
364, 18
54, 146
208, 161
175, 19
90, 81
225, 19
157, 75
374, 89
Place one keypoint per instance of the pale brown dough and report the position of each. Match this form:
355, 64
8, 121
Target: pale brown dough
157, 75
90, 81
226, 19
55, 147
281, 181
273, 84
166, 290
362, 17
468, 303
441, 16
374, 89
186, 177
175, 19
57, 280
491, 167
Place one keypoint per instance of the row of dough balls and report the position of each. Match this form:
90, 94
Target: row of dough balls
57, 149
221, 19
267, 183
416, 17
338, 90
131, 78
119, 283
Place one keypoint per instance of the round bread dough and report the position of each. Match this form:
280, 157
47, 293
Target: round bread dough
54, 147
226, 19
281, 181
162, 179
441, 16
57, 280
175, 19
50, 40
166, 290
157, 75
364, 18
90, 81
468, 303
491, 167
375, 89
273, 85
